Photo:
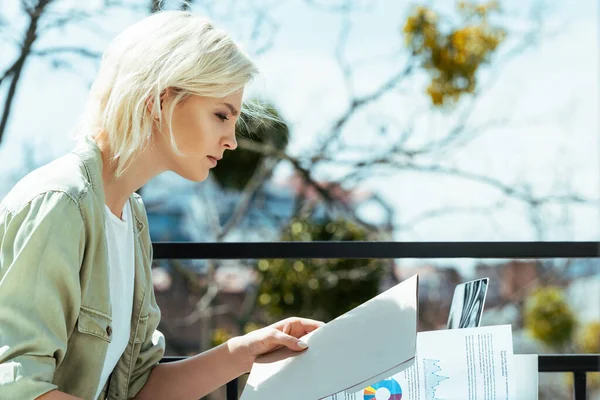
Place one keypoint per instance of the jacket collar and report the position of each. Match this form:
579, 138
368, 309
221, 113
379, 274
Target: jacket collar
89, 152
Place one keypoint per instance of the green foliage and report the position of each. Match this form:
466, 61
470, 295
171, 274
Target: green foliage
219, 336
453, 58
589, 338
548, 317
321, 289
237, 167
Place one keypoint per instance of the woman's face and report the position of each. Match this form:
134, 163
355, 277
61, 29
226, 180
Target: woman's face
203, 128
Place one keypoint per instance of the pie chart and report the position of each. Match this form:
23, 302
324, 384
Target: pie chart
387, 389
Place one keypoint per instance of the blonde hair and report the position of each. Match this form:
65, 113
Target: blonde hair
169, 49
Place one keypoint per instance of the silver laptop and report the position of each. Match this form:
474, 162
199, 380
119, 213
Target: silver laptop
467, 304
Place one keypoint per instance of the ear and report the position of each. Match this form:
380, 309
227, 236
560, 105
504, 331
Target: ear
150, 103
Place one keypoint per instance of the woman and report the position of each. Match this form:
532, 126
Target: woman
78, 316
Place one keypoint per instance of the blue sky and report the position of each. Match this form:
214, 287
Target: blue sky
549, 96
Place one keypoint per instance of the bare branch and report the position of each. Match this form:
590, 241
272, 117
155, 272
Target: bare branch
257, 180
212, 214
324, 192
81, 51
158, 5
187, 5
340, 50
9, 71
507, 189
456, 136
263, 22
202, 306
485, 211
269, 150
59, 20
340, 5
155, 6
455, 133
355, 105
441, 212
35, 14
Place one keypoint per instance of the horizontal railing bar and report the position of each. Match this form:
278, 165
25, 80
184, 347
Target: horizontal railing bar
546, 362
357, 250
569, 363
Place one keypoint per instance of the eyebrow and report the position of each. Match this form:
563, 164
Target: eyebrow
232, 109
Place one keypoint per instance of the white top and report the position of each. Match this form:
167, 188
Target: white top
119, 237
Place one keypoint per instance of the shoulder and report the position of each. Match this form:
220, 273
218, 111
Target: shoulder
63, 180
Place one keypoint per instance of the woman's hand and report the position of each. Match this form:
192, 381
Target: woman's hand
262, 341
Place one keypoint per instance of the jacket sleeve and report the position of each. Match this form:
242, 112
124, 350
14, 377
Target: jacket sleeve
41, 250
152, 351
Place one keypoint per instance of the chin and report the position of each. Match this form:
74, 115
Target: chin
197, 175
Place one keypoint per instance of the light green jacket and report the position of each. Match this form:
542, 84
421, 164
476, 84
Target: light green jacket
55, 308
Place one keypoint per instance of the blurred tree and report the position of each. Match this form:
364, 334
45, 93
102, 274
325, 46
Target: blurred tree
220, 336
589, 338
548, 317
159, 5
323, 288
43, 17
550, 320
237, 168
453, 58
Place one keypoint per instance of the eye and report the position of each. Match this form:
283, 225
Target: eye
222, 117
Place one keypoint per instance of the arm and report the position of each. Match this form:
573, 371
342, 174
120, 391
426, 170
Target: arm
198, 376
40, 252
56, 395
194, 377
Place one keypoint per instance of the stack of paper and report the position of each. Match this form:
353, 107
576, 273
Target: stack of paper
374, 353
461, 364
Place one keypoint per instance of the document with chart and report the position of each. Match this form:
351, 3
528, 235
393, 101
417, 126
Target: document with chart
374, 340
461, 364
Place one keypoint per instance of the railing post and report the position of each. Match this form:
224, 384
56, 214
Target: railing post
579, 386
232, 390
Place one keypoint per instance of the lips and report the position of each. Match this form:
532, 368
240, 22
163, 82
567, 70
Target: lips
213, 160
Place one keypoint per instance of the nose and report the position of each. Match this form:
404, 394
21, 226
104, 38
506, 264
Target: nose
229, 141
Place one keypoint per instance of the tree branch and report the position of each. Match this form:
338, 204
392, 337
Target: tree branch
341, 6
324, 193
155, 6
507, 189
35, 14
355, 105
255, 183
81, 51
9, 71
269, 150
340, 50
263, 20
158, 5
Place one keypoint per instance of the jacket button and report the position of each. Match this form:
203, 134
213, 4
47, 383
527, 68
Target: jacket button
108, 330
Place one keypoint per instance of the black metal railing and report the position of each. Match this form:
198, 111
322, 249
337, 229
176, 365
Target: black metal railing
577, 364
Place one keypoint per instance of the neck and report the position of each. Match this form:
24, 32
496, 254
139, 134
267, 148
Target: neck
118, 189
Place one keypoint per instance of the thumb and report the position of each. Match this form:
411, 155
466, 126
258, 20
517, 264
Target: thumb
290, 341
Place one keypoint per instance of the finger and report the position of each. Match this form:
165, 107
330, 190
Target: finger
287, 328
299, 322
298, 326
288, 341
